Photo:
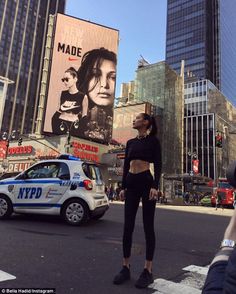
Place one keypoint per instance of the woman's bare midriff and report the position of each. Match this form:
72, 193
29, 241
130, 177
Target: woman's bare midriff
138, 166
69, 116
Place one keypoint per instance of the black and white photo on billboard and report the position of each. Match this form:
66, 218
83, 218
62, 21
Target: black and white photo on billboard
86, 106
81, 81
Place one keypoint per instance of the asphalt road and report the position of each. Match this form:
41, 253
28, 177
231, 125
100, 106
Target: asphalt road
43, 252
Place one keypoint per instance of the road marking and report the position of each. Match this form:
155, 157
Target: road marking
5, 276
191, 282
197, 269
166, 287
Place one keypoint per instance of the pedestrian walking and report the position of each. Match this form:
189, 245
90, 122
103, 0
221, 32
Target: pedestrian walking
111, 194
219, 201
186, 197
138, 183
234, 197
118, 189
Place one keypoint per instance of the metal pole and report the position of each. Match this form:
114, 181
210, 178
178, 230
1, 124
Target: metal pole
7, 145
68, 143
182, 116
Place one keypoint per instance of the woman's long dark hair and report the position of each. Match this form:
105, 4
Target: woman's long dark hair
152, 124
91, 59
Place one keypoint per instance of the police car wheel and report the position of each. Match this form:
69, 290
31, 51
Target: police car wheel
75, 212
6, 208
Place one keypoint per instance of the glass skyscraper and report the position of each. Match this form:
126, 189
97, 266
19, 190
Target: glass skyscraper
23, 28
207, 113
159, 85
203, 33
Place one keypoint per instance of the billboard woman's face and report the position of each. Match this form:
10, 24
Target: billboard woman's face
101, 88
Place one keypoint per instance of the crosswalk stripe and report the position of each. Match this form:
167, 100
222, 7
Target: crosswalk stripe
191, 282
197, 269
166, 287
5, 276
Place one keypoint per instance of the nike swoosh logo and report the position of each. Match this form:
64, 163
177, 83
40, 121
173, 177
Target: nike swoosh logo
72, 59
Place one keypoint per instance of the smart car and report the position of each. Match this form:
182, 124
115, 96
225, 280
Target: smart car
65, 186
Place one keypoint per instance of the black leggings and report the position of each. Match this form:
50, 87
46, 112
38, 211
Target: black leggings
138, 186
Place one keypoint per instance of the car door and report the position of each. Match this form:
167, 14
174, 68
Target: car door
40, 187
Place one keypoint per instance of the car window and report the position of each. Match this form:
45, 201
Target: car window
98, 173
63, 172
93, 172
224, 185
43, 170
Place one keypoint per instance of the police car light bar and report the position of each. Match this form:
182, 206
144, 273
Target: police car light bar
68, 157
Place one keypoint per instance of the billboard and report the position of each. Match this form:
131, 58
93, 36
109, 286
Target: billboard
82, 80
123, 121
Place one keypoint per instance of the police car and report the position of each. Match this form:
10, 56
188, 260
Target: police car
65, 186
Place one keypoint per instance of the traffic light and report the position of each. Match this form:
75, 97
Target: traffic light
20, 141
219, 140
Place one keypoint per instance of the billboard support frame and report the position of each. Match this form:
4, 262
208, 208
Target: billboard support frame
45, 75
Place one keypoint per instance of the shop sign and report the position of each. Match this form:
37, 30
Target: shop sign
85, 151
3, 149
18, 167
20, 150
45, 154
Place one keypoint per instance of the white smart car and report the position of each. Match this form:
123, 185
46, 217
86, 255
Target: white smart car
65, 186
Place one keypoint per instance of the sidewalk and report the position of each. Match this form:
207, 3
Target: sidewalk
199, 209
192, 208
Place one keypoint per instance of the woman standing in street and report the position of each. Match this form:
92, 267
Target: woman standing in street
139, 183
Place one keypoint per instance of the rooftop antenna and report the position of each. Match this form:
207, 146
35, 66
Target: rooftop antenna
142, 62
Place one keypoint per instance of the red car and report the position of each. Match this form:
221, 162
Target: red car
223, 192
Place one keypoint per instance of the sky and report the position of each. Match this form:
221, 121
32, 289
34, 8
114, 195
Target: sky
141, 25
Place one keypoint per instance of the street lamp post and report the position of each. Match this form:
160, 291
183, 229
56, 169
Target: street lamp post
64, 126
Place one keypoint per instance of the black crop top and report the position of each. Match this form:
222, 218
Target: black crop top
147, 149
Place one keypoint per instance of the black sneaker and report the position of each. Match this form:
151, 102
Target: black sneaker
144, 280
123, 276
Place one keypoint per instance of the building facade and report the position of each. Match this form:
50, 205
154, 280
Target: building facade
18, 158
208, 114
126, 92
23, 28
203, 33
162, 87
